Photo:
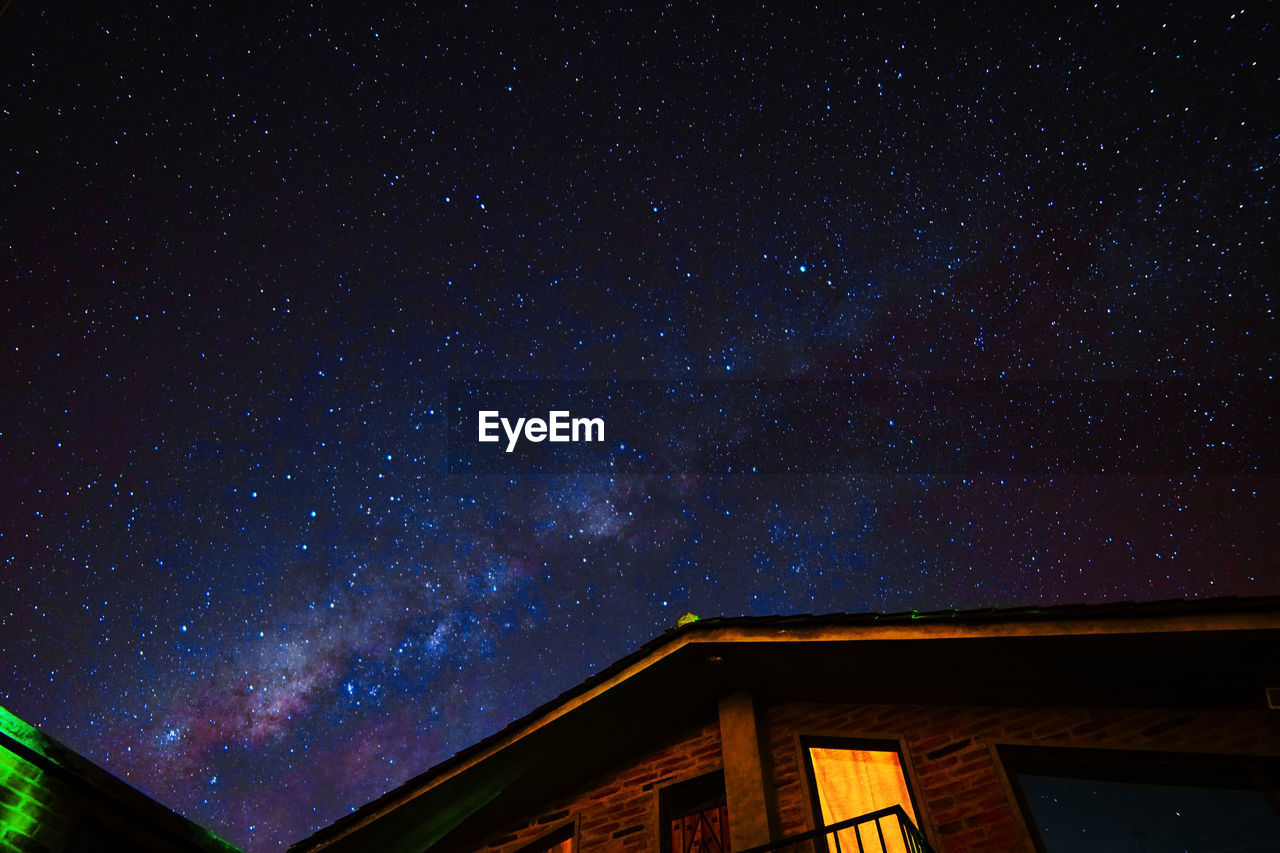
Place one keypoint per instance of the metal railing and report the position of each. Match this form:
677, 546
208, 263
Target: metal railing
884, 831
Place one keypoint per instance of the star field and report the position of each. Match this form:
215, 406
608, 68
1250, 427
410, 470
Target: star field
247, 250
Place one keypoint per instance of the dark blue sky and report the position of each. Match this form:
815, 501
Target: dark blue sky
247, 250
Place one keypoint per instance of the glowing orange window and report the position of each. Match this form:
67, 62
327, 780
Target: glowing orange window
855, 778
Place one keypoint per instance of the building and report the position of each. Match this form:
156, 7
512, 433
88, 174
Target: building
1108, 727
54, 800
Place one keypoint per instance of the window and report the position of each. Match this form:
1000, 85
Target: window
693, 816
1120, 800
560, 841
852, 778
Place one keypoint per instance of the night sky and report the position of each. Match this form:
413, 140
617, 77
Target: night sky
247, 248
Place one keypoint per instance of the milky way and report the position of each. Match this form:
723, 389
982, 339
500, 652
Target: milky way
248, 253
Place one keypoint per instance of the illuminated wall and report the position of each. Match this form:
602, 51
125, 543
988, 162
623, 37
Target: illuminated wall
53, 800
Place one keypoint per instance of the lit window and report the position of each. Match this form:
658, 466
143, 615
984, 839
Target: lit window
852, 779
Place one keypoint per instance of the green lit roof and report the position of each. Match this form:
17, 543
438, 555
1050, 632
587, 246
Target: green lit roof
26, 748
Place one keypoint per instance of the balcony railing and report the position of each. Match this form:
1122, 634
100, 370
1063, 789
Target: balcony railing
884, 831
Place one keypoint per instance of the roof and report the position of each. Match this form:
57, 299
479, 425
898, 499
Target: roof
834, 632
31, 744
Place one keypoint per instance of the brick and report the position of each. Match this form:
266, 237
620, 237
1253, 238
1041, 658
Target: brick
24, 843
991, 817
942, 751
1090, 727
12, 817
963, 840
972, 756
25, 770
951, 787
21, 786
506, 839
951, 827
53, 788
955, 814
53, 833
987, 794
1167, 726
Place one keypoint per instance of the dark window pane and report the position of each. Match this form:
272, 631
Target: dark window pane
1108, 816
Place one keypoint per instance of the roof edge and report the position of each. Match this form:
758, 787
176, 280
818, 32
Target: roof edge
1110, 619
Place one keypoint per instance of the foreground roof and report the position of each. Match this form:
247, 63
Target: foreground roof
84, 778
1121, 652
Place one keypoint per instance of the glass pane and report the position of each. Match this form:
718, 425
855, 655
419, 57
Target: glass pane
1126, 817
855, 782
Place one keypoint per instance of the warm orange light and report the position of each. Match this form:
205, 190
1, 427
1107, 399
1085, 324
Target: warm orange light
854, 782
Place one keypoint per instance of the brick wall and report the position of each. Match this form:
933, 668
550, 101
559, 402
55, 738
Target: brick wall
959, 788
963, 801
619, 811
29, 799
50, 805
